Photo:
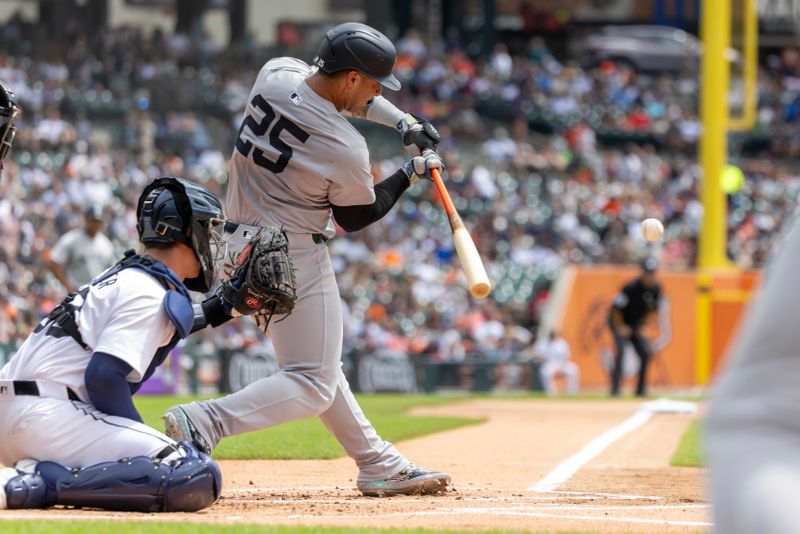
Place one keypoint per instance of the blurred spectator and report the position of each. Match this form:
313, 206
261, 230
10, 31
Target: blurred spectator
83, 253
412, 45
554, 354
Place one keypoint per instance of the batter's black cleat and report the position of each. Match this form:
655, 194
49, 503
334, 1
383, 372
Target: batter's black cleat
178, 426
411, 480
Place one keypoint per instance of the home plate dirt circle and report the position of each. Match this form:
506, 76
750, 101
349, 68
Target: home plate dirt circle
537, 465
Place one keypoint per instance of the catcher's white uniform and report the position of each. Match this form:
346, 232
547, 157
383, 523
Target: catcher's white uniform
122, 316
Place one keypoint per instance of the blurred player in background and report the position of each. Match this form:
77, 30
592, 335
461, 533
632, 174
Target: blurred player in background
752, 433
67, 416
554, 353
299, 165
8, 114
633, 305
83, 253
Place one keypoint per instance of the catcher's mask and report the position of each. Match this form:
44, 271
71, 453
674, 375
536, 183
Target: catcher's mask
8, 114
174, 210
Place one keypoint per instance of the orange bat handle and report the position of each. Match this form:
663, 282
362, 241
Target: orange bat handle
449, 208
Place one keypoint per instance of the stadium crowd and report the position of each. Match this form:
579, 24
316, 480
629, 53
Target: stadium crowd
523, 137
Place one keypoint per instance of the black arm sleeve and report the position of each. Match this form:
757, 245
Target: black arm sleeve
108, 388
354, 218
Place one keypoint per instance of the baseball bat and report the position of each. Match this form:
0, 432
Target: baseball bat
382, 111
477, 279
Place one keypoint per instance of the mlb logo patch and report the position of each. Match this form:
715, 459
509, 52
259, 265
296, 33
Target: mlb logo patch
296, 98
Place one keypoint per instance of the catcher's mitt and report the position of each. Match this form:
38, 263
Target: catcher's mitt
263, 279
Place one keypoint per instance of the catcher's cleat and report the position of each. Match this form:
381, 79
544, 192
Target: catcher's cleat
411, 480
178, 426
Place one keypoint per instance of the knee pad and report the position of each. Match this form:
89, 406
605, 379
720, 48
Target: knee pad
130, 484
28, 491
138, 484
195, 482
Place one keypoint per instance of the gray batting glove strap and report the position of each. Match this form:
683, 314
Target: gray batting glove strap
421, 166
418, 135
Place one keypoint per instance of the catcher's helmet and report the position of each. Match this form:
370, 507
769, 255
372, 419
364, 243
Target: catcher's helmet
356, 46
8, 114
173, 210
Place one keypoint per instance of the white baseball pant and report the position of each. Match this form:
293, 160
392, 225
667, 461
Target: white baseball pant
71, 433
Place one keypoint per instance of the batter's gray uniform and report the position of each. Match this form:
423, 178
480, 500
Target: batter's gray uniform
753, 427
296, 156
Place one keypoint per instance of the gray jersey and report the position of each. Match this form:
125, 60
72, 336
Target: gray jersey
295, 155
81, 256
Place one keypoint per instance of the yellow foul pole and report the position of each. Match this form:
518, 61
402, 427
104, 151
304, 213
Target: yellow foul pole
749, 69
715, 30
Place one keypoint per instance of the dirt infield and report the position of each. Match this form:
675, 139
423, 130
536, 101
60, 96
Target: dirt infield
509, 473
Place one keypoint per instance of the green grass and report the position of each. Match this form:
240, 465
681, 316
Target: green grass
690, 452
132, 527
308, 439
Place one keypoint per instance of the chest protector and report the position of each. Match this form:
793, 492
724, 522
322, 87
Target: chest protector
61, 322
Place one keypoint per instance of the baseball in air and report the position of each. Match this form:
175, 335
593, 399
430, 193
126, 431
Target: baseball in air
652, 229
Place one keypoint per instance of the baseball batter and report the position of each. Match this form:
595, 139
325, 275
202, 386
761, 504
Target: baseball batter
67, 418
299, 164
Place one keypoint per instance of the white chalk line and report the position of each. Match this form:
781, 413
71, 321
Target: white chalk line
571, 511
370, 501
514, 505
594, 495
541, 495
296, 489
278, 489
523, 513
564, 471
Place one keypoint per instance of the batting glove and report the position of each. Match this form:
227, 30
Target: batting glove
418, 135
421, 166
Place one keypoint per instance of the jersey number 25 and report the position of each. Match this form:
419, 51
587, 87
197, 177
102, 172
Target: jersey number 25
260, 128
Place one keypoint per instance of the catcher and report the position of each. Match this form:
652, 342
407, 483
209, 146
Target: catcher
68, 422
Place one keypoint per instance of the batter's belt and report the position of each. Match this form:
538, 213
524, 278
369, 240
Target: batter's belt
247, 231
237, 235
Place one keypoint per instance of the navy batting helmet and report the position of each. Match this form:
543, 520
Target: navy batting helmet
356, 46
173, 210
8, 114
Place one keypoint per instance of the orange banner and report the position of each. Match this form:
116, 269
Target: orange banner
585, 312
